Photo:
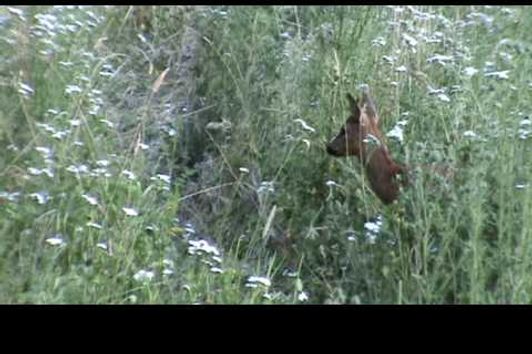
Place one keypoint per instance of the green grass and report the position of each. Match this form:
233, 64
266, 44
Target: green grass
248, 175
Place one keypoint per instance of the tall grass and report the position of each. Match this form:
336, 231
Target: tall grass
112, 193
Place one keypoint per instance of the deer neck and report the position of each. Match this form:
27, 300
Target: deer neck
381, 171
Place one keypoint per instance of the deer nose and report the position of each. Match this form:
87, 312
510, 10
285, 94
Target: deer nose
330, 150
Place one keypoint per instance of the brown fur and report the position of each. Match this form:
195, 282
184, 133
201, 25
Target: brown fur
362, 137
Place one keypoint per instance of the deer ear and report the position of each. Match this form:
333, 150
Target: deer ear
353, 107
369, 104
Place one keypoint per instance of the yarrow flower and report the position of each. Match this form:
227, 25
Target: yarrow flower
144, 275
130, 211
255, 282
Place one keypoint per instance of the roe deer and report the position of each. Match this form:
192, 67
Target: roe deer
361, 136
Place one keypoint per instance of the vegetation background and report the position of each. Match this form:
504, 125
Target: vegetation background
176, 155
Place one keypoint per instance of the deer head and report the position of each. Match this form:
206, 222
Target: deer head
360, 136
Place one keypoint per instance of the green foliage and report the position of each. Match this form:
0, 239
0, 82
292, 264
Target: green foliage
88, 215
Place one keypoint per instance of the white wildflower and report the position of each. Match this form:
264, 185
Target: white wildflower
199, 246
94, 225
130, 211
143, 275
401, 69
130, 175
501, 75
56, 240
470, 134
41, 197
304, 125
303, 296
255, 281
